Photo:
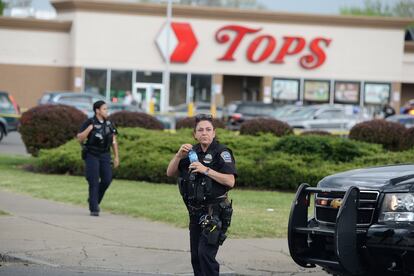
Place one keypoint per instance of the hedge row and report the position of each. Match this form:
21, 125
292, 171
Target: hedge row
263, 161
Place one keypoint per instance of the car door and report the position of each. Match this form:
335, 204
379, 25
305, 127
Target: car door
332, 118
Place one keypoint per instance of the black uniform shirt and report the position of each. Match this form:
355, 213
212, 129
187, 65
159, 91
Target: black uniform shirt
217, 157
101, 136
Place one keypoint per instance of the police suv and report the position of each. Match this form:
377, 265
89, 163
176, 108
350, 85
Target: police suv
362, 222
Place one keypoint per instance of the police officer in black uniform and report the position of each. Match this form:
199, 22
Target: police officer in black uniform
97, 135
204, 184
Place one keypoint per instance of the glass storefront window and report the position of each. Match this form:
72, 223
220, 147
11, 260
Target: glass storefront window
178, 89
149, 77
347, 92
201, 85
285, 90
95, 81
121, 82
316, 91
377, 93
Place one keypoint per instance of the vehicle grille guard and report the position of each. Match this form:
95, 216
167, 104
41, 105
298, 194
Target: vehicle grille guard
344, 234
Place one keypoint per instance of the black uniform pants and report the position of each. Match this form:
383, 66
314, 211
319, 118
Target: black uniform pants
98, 172
203, 255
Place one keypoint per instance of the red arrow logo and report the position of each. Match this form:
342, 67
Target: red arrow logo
183, 42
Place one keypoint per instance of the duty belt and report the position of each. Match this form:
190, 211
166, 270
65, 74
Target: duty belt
193, 207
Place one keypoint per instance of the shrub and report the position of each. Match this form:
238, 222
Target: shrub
388, 134
135, 119
407, 141
316, 132
144, 155
265, 125
189, 122
327, 148
49, 126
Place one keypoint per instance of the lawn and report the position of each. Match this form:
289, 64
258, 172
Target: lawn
256, 213
2, 213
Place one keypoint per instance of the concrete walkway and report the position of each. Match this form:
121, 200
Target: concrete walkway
65, 236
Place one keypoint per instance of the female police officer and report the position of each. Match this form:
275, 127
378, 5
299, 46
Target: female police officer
97, 134
204, 180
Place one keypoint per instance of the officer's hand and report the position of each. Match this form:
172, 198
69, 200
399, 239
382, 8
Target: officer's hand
183, 151
197, 167
116, 162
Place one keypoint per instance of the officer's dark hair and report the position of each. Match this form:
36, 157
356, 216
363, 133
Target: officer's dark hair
203, 117
97, 105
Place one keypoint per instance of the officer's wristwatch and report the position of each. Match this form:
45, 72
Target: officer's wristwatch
206, 172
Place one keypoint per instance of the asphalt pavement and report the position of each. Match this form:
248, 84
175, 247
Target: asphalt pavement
13, 144
42, 237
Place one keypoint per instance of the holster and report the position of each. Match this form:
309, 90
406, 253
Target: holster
226, 213
217, 222
84, 151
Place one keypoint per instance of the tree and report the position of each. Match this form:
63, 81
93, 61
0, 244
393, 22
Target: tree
404, 9
1, 7
401, 8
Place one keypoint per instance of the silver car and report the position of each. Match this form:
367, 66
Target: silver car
324, 117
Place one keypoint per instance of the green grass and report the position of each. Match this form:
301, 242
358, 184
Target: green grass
158, 202
2, 213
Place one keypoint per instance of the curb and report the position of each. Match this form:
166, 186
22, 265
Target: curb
9, 258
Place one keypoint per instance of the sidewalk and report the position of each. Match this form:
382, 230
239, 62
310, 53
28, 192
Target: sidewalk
61, 235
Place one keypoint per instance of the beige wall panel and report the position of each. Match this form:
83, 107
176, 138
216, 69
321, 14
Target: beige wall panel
124, 41
34, 47
28, 83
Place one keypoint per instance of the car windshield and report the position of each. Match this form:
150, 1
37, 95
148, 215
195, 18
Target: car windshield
285, 111
255, 109
305, 112
6, 106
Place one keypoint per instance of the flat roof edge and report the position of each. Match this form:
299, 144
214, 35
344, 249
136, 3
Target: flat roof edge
35, 24
231, 14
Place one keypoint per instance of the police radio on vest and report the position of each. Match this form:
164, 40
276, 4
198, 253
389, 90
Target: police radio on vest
192, 155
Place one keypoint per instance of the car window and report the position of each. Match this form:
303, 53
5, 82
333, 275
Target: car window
255, 109
95, 99
6, 106
331, 114
75, 98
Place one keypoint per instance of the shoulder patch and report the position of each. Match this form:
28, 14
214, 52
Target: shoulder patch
226, 156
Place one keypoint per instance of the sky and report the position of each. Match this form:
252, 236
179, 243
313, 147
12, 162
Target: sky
314, 6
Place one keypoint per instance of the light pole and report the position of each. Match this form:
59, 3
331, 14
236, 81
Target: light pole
166, 78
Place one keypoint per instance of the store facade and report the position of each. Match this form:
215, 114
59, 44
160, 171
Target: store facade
216, 55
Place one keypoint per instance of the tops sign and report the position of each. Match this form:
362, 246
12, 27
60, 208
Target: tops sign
183, 44
262, 47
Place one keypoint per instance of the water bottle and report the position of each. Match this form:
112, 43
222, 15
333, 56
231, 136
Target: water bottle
192, 155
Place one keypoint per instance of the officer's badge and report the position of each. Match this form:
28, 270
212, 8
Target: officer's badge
226, 156
208, 158
97, 126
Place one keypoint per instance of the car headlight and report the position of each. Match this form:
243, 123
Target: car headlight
397, 208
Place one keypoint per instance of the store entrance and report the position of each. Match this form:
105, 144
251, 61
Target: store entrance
241, 88
144, 93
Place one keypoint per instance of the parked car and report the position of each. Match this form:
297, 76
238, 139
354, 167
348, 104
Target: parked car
323, 117
9, 114
75, 97
362, 222
83, 101
181, 111
115, 107
404, 119
286, 111
247, 110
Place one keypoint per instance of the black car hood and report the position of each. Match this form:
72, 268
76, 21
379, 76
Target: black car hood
395, 177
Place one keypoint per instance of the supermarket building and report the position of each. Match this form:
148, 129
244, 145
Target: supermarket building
216, 55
